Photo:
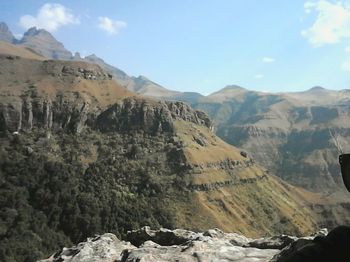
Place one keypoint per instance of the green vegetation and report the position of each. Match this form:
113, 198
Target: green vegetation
59, 190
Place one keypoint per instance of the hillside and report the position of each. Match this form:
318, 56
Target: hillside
296, 133
81, 155
140, 85
44, 44
14, 50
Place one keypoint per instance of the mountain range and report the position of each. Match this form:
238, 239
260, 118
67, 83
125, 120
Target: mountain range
43, 43
81, 153
297, 136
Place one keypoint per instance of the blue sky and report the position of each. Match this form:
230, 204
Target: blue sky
202, 46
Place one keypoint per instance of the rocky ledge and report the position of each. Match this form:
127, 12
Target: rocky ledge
73, 111
182, 245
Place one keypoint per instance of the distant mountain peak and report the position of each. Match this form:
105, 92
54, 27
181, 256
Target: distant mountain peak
233, 87
5, 33
34, 31
316, 89
31, 31
43, 42
143, 78
4, 27
93, 56
77, 56
95, 59
229, 89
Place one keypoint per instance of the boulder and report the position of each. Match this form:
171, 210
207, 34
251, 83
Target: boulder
184, 245
104, 248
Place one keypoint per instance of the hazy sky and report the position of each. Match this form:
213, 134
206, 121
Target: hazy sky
202, 46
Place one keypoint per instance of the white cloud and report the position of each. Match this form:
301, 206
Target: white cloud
268, 59
332, 23
259, 76
110, 26
347, 49
49, 17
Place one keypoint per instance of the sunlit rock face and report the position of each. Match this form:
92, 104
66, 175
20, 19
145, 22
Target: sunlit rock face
182, 245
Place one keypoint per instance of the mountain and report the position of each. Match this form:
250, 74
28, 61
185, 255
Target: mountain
5, 33
42, 42
146, 87
15, 50
81, 155
139, 85
120, 76
294, 135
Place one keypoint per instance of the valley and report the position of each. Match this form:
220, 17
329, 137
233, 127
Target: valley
86, 149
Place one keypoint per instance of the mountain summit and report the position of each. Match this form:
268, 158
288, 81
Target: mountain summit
5, 33
45, 44
316, 89
42, 42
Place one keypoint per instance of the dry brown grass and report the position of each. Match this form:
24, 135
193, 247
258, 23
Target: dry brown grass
265, 207
21, 74
13, 50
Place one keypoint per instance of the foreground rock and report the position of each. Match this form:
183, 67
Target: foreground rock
105, 248
181, 245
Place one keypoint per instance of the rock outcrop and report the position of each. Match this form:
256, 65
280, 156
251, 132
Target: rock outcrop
104, 248
182, 245
73, 112
5, 34
64, 108
42, 42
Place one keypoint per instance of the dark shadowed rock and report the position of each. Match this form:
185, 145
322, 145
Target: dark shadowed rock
163, 236
275, 242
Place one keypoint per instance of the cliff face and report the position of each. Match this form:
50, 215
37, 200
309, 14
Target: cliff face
294, 135
72, 112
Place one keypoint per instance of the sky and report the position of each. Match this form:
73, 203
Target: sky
203, 46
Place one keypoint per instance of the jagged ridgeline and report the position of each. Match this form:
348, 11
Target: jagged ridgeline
81, 155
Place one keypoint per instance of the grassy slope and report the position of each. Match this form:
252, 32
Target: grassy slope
9, 49
267, 206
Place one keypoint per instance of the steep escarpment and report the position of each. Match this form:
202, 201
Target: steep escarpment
296, 134
81, 155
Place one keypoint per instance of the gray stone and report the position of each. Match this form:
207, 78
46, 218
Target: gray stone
183, 245
104, 248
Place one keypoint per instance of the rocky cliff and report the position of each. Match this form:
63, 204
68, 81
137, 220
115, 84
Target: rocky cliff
62, 95
183, 245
